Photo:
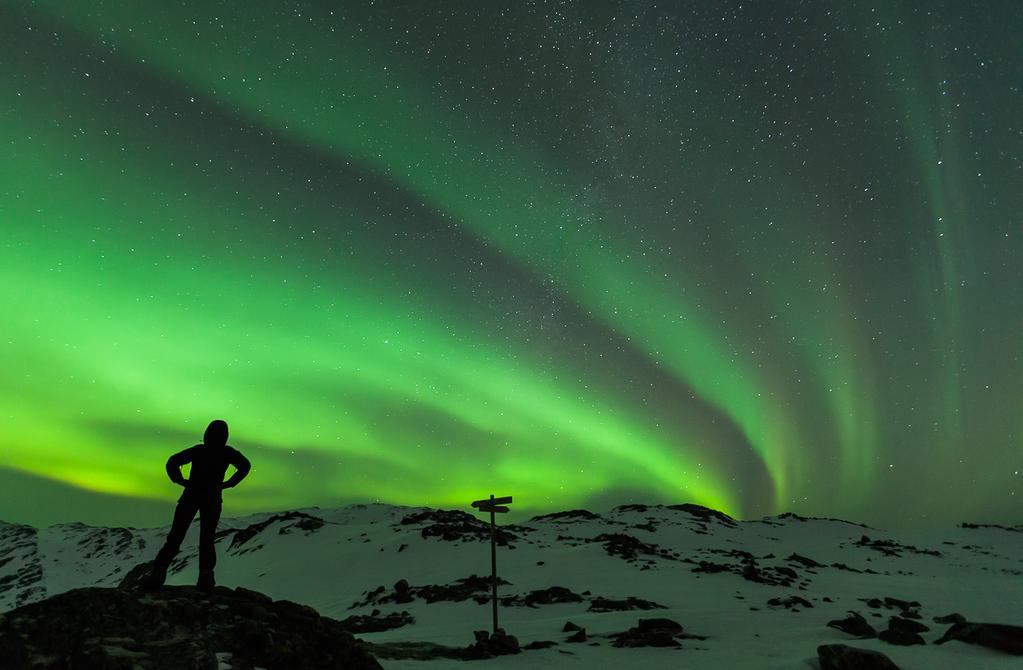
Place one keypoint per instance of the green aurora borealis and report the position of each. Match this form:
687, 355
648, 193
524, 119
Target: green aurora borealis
757, 256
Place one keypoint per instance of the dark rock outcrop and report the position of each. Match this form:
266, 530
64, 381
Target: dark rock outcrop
998, 636
854, 625
892, 548
454, 525
601, 604
844, 657
473, 586
903, 632
289, 522
805, 561
568, 515
629, 548
375, 623
548, 596
652, 633
174, 628
705, 514
790, 602
488, 645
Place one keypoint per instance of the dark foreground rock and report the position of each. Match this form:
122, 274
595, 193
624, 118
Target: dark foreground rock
844, 657
855, 625
174, 628
659, 632
903, 632
998, 636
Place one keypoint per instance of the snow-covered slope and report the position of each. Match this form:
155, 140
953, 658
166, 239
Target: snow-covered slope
760, 592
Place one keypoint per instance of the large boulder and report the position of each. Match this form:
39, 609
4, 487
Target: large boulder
998, 636
174, 628
855, 625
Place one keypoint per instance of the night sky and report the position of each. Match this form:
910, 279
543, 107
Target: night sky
760, 256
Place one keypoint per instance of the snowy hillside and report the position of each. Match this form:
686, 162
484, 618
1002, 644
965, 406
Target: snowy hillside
749, 594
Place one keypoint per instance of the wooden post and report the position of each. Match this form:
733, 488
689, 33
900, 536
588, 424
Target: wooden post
493, 505
493, 561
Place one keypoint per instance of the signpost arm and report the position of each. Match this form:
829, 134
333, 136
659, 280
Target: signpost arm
493, 562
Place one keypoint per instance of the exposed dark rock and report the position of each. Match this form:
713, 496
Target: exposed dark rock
374, 623
600, 604
854, 625
173, 628
289, 521
548, 596
488, 646
628, 547
455, 525
705, 514
653, 633
472, 586
540, 644
633, 507
844, 657
711, 567
790, 602
577, 636
786, 572
804, 519
570, 627
804, 561
909, 625
568, 515
955, 617
892, 548
1014, 529
904, 605
134, 577
903, 632
752, 573
998, 636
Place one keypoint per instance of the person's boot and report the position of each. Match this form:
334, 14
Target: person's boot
206, 581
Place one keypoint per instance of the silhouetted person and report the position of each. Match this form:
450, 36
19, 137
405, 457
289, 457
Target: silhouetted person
203, 495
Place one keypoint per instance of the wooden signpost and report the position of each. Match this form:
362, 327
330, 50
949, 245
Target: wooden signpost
493, 505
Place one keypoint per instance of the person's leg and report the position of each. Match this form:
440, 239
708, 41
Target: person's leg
183, 515
209, 517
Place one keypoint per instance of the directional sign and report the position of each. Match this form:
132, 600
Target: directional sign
492, 505
492, 501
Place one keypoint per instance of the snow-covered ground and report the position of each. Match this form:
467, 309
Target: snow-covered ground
330, 559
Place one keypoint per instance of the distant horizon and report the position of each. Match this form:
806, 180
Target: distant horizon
155, 513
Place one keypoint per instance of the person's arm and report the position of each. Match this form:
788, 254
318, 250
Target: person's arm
241, 469
174, 464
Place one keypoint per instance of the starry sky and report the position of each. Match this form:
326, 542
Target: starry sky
760, 256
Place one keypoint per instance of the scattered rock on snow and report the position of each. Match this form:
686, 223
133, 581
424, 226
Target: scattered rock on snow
854, 625
844, 657
652, 633
790, 602
488, 646
601, 604
903, 632
374, 623
1001, 637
